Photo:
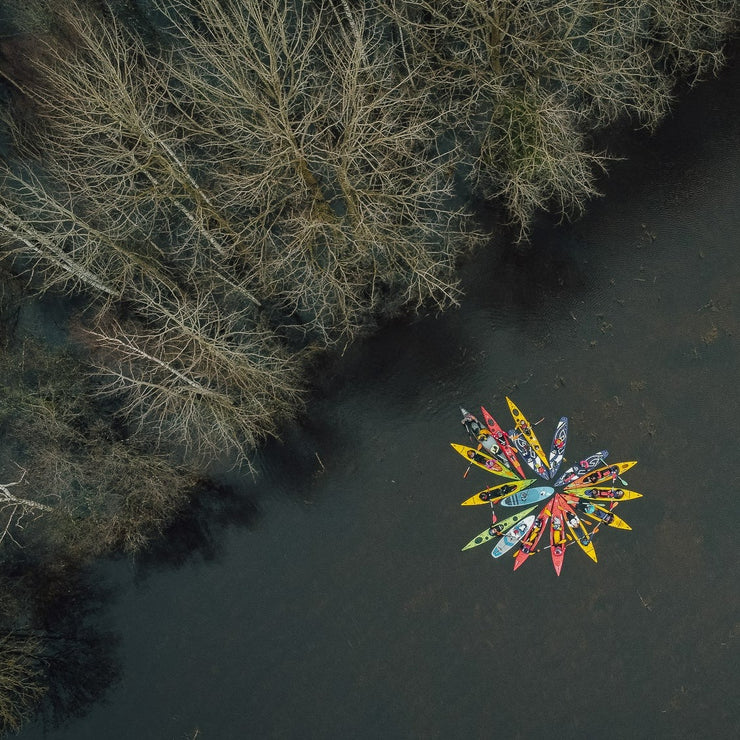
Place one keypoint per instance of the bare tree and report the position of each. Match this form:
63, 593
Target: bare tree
329, 155
53, 239
94, 222
96, 487
322, 190
284, 148
198, 378
108, 133
21, 678
14, 509
256, 378
541, 159
534, 79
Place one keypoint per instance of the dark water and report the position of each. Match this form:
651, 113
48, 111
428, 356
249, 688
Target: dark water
331, 599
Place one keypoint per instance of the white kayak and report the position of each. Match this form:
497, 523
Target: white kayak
513, 536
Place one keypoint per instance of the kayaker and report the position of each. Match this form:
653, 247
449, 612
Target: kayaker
468, 418
615, 493
528, 543
493, 529
473, 455
586, 506
557, 534
606, 516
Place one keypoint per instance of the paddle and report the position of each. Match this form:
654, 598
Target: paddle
465, 474
516, 436
494, 519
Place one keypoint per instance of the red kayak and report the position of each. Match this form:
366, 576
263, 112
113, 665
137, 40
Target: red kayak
503, 441
557, 534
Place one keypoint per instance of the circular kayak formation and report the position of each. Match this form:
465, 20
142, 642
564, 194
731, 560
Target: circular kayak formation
572, 507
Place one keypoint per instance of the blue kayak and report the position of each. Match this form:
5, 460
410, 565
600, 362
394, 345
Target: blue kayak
528, 496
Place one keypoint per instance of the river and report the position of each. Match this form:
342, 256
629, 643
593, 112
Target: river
331, 599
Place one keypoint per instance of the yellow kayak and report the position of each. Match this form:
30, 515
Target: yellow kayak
524, 428
616, 522
494, 494
579, 531
476, 457
604, 493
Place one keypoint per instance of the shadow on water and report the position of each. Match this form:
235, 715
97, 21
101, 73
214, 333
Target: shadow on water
80, 655
197, 534
231, 499
83, 662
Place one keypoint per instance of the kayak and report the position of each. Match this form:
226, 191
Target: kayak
494, 494
484, 461
604, 516
615, 522
579, 531
601, 474
529, 456
557, 535
512, 536
529, 542
580, 468
557, 449
528, 496
502, 438
602, 492
525, 428
496, 529
478, 433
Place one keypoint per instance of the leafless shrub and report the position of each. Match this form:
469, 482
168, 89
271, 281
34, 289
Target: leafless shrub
534, 79
328, 154
195, 378
15, 509
21, 678
535, 159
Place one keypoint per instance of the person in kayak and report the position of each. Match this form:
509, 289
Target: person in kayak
476, 431
487, 462
493, 529
606, 516
575, 525
615, 493
586, 506
528, 544
476, 457
558, 539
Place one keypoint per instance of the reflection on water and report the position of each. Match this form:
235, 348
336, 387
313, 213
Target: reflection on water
81, 653
346, 608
